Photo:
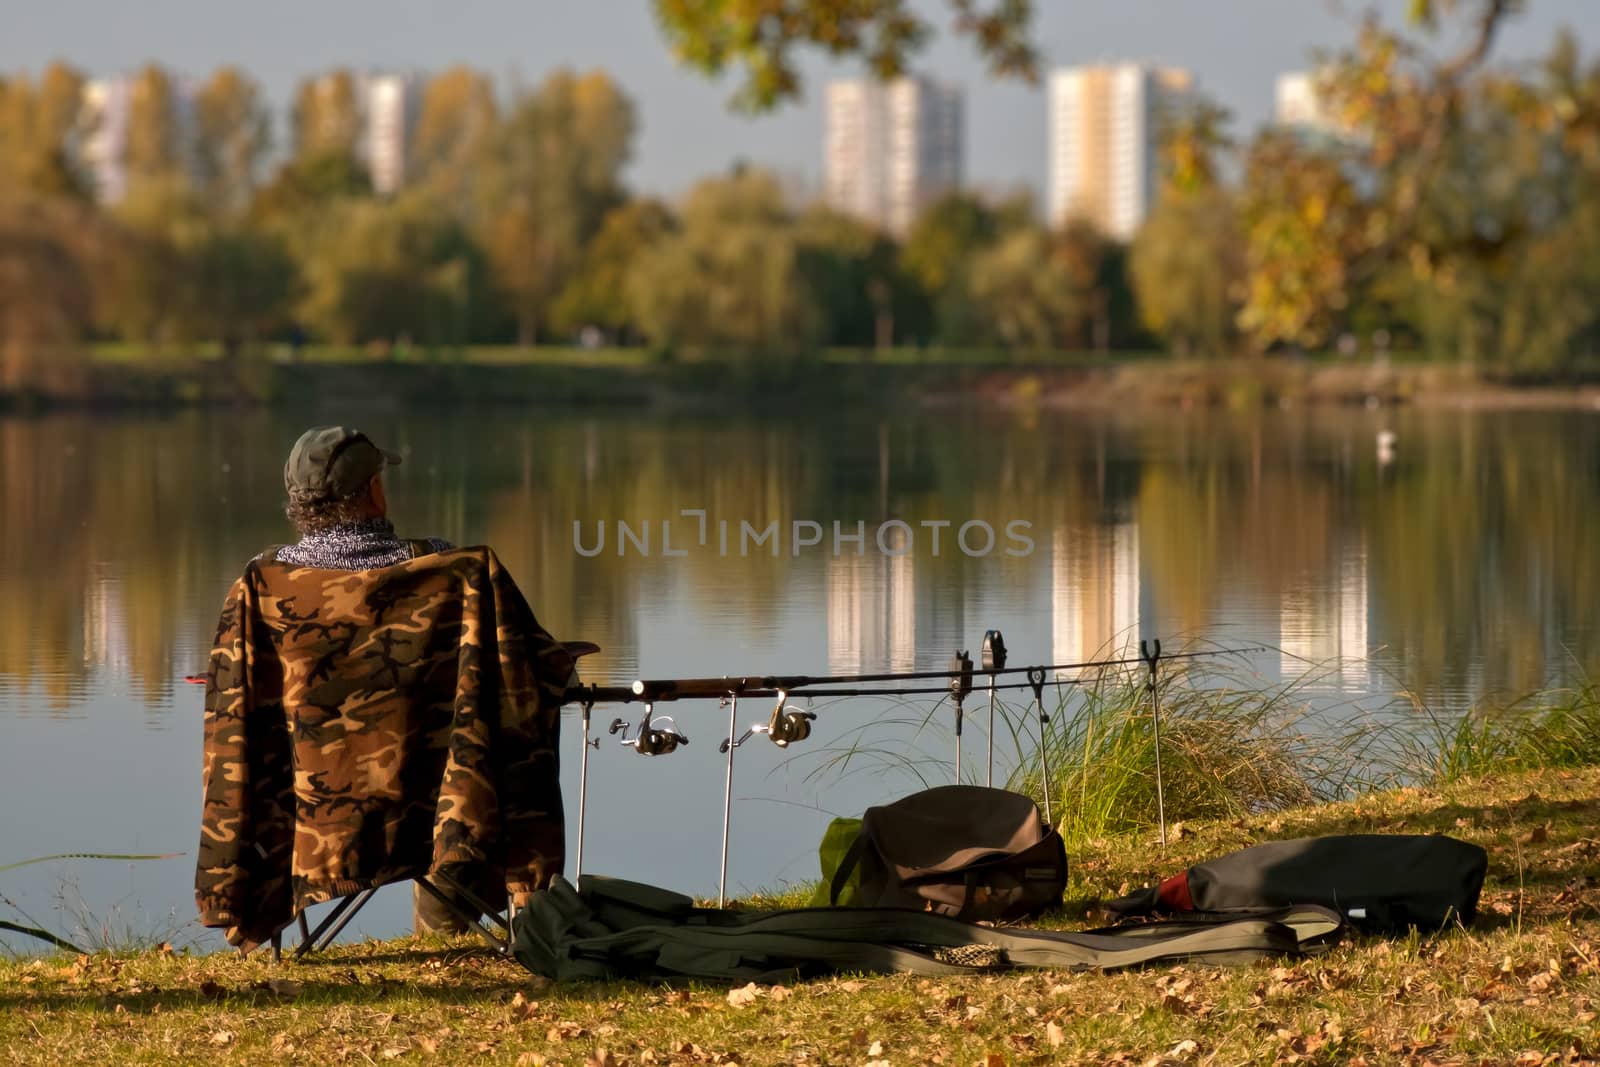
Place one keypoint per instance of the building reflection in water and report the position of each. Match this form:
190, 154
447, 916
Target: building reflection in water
105, 629
872, 613
1094, 591
1323, 626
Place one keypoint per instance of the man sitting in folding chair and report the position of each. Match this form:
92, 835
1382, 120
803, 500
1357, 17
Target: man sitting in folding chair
376, 710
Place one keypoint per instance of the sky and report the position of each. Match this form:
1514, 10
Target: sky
1236, 48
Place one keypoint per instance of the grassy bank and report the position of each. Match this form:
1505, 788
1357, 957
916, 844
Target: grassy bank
126, 376
1522, 987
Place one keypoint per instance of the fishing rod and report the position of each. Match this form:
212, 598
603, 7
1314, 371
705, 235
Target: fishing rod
656, 689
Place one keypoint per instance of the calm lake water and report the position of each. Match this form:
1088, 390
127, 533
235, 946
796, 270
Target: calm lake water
1458, 564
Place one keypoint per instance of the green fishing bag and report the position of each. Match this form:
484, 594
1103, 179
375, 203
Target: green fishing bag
965, 851
836, 889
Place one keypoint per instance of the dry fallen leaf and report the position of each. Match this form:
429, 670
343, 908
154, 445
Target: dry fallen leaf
211, 989
1184, 1049
748, 994
876, 1051
393, 1052
222, 1037
561, 1031
779, 992
1055, 1035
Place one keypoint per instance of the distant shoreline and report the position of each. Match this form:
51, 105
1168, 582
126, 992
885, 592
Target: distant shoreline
624, 378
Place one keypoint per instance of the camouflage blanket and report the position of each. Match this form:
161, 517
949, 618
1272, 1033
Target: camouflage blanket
362, 727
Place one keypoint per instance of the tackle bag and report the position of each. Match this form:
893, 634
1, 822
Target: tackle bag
612, 929
960, 850
1381, 883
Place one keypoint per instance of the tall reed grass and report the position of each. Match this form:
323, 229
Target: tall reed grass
1549, 728
1229, 747
1234, 744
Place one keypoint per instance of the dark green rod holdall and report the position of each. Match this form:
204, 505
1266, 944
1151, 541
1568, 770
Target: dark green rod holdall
611, 929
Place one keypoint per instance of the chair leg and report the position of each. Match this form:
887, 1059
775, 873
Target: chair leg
360, 900
501, 945
455, 886
332, 923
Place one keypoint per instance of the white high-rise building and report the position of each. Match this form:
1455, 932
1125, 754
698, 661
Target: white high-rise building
390, 106
1105, 129
1301, 104
891, 149
105, 102
108, 105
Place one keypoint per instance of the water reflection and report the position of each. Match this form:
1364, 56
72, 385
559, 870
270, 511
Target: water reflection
1462, 564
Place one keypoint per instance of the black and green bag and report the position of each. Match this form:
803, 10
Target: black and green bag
1381, 883
959, 850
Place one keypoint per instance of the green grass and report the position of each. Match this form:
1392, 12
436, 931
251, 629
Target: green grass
1524, 984
1551, 728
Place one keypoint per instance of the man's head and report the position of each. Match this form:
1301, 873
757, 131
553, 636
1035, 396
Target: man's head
335, 475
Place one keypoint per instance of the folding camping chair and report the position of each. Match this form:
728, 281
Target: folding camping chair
346, 908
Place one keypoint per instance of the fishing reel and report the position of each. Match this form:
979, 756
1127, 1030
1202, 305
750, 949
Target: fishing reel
648, 739
784, 728
787, 727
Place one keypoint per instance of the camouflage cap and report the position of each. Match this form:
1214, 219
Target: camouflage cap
333, 462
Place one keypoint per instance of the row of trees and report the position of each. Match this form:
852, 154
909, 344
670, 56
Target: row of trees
513, 225
1457, 211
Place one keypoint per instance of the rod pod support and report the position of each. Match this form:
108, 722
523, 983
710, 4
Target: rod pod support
993, 659
583, 785
784, 728
729, 743
1152, 658
960, 687
1036, 680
